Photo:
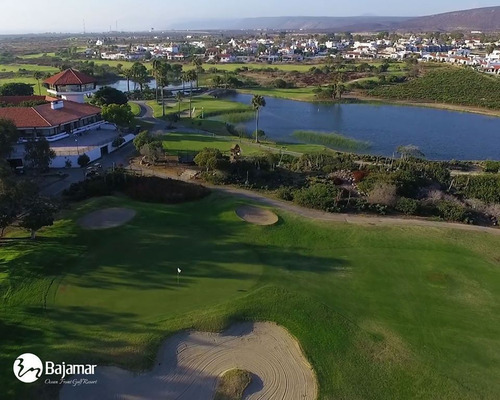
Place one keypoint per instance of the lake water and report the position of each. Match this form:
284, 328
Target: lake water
122, 85
440, 134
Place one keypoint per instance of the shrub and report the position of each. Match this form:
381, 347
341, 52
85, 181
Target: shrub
407, 206
492, 166
83, 160
384, 194
285, 193
118, 142
142, 188
451, 211
482, 187
319, 196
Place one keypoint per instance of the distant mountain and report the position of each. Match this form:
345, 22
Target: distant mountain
294, 23
480, 19
483, 19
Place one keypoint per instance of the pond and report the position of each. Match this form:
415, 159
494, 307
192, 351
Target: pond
440, 134
122, 85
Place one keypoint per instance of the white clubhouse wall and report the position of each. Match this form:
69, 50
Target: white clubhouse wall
94, 154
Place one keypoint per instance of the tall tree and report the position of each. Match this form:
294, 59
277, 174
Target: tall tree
191, 76
258, 102
121, 115
8, 137
108, 95
179, 96
157, 65
38, 75
140, 74
127, 73
38, 153
39, 213
162, 81
198, 64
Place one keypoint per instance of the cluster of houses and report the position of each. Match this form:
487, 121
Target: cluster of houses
306, 47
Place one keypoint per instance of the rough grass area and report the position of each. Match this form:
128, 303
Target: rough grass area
451, 85
236, 118
380, 312
232, 384
332, 140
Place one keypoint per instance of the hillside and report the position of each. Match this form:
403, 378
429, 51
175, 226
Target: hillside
447, 85
483, 19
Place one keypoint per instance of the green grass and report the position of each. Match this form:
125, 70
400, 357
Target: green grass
453, 85
207, 105
28, 67
380, 312
192, 142
332, 140
136, 109
301, 94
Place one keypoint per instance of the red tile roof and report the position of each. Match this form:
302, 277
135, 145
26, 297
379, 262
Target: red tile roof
43, 116
70, 77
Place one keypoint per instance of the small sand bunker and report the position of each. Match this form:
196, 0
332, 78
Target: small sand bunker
189, 365
256, 215
107, 218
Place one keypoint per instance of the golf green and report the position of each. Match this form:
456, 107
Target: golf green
380, 312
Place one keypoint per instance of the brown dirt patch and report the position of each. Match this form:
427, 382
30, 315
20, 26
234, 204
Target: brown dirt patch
256, 215
107, 218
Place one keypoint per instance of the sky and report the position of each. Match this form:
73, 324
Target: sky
141, 15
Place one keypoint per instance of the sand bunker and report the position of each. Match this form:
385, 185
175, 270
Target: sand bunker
189, 364
256, 215
106, 218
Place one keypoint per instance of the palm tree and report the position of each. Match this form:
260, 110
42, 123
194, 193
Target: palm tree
127, 73
179, 96
157, 65
38, 75
162, 81
190, 76
258, 101
198, 64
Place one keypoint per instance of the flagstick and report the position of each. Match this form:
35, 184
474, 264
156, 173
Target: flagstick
177, 279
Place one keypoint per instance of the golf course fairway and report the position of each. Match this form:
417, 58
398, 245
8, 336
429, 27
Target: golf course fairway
379, 312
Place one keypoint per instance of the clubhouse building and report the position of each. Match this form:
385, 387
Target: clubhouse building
64, 119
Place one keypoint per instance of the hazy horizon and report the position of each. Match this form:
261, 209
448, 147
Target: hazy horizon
59, 16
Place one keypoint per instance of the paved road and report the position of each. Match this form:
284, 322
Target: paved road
120, 156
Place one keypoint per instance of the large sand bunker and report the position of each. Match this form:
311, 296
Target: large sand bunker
256, 215
189, 364
107, 218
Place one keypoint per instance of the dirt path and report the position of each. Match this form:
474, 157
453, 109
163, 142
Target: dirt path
189, 364
329, 217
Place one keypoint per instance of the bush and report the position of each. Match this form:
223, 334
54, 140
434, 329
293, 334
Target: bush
83, 160
384, 194
142, 188
319, 196
451, 211
482, 187
492, 166
285, 193
407, 206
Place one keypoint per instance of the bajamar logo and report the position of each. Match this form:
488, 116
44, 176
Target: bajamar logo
28, 368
